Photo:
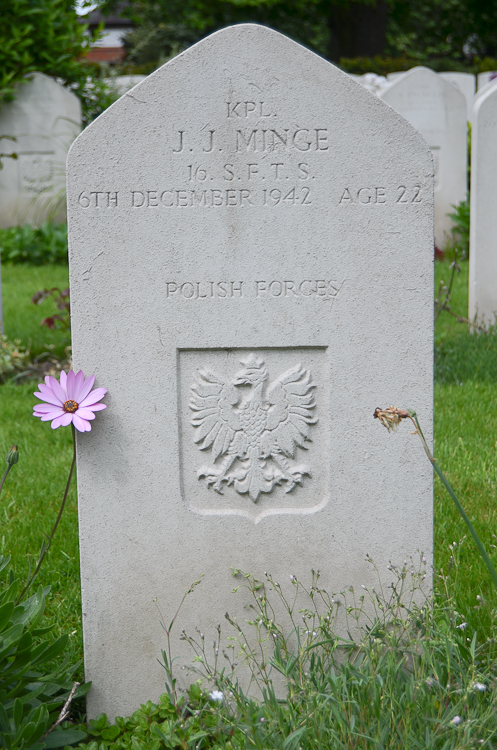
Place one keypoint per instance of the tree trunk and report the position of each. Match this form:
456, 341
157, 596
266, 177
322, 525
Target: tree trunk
357, 30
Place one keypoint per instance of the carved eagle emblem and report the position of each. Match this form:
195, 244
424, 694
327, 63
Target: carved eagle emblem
253, 434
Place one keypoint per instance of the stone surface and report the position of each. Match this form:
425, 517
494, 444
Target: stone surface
438, 110
483, 229
398, 74
484, 78
251, 236
44, 118
482, 91
465, 82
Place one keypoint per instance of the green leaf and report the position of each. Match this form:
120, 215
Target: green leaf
63, 737
6, 612
111, 733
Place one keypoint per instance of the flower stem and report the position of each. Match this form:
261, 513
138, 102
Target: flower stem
46, 546
414, 419
4, 477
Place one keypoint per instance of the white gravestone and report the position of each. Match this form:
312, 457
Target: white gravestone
481, 92
251, 263
438, 110
483, 228
465, 82
484, 78
44, 118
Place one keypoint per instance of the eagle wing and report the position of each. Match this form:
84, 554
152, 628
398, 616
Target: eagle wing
291, 400
216, 422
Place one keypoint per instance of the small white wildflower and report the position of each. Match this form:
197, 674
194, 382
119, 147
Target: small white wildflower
480, 687
217, 696
456, 721
462, 626
423, 559
292, 578
479, 598
263, 719
363, 587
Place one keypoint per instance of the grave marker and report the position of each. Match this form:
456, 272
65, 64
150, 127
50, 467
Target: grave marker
438, 110
250, 278
465, 82
44, 118
483, 227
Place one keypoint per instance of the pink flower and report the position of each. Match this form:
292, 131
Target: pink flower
71, 400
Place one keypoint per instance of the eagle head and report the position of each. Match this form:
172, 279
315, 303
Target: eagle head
252, 373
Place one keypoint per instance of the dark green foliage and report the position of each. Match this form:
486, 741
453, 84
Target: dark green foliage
446, 34
34, 245
46, 36
460, 230
380, 65
32, 689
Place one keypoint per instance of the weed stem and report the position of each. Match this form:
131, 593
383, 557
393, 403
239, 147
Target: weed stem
46, 545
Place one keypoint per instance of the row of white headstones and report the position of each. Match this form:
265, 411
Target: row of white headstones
45, 118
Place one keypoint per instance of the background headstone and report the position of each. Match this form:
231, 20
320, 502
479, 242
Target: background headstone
481, 92
483, 227
248, 216
44, 118
484, 78
396, 75
465, 82
438, 110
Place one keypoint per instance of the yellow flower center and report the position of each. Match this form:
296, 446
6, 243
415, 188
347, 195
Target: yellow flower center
70, 406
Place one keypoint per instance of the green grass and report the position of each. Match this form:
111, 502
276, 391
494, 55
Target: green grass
21, 318
29, 505
465, 446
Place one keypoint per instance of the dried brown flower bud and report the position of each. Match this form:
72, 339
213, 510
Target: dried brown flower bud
391, 417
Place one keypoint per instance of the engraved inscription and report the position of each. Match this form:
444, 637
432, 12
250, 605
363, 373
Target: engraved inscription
325, 289
257, 140
379, 196
253, 437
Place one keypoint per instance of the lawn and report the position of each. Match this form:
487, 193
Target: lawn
465, 444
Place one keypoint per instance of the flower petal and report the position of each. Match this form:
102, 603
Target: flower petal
70, 384
62, 421
45, 389
86, 388
79, 382
93, 397
46, 409
85, 413
48, 417
57, 389
49, 399
63, 379
80, 424
94, 407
